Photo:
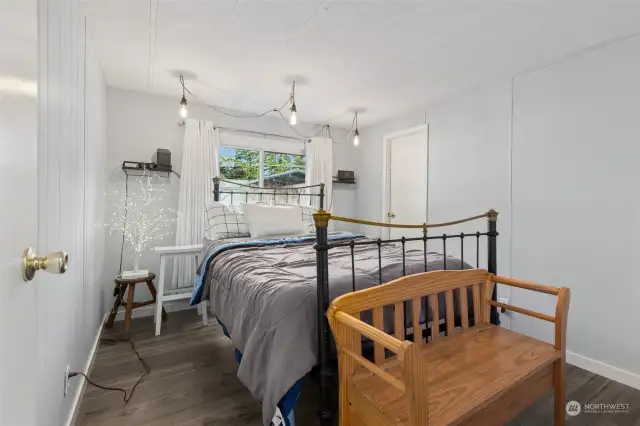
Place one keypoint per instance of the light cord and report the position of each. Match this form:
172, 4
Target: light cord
289, 100
186, 89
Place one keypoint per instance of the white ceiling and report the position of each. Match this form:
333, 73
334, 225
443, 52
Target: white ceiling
382, 56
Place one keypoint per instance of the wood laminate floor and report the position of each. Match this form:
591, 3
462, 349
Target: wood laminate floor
193, 382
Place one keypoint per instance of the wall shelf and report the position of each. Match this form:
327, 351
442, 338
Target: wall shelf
139, 166
343, 181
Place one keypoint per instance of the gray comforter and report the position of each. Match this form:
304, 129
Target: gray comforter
266, 298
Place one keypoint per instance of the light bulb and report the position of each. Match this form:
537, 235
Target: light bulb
293, 119
356, 138
183, 108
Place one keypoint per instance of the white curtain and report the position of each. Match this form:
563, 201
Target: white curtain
200, 164
320, 168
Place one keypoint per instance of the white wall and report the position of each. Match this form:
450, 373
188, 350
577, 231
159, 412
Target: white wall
95, 186
575, 202
89, 307
468, 170
139, 123
554, 151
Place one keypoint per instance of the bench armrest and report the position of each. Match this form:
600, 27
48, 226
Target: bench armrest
562, 304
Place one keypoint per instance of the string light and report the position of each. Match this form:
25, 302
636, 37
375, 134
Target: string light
356, 134
183, 102
293, 119
183, 108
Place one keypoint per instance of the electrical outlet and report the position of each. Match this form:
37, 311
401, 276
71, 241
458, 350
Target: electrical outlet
66, 380
505, 301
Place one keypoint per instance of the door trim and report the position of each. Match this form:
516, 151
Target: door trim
386, 139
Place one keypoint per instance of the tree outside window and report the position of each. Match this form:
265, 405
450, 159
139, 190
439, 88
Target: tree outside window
279, 169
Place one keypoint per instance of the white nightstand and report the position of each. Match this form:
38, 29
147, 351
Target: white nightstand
170, 252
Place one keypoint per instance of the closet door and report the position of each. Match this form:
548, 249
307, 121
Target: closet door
407, 171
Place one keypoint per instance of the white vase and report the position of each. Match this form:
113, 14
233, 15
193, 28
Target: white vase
136, 260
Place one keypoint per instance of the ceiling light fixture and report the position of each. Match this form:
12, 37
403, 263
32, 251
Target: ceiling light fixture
293, 119
183, 102
356, 134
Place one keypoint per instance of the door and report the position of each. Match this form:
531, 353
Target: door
18, 209
407, 170
41, 204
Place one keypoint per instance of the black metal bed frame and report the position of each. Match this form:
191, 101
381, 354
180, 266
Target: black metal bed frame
327, 370
264, 192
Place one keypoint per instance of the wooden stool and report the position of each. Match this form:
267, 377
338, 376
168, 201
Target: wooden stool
121, 287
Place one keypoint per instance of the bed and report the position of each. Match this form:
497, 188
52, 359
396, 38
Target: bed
270, 294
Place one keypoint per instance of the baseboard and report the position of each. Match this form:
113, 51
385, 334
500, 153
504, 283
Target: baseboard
614, 373
77, 400
150, 310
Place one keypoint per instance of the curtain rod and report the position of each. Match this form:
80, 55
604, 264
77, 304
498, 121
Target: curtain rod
255, 132
231, 129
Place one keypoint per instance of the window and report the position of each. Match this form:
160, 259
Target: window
239, 165
258, 167
280, 169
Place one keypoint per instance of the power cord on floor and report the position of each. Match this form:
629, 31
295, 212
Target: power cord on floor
124, 391
126, 210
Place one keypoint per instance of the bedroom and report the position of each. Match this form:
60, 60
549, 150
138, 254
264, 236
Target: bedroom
527, 108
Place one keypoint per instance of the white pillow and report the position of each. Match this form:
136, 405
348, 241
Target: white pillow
222, 221
306, 212
264, 220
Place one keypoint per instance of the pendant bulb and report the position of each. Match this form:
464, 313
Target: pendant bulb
356, 134
183, 108
293, 119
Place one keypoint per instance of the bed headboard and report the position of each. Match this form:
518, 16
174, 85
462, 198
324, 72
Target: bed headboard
288, 194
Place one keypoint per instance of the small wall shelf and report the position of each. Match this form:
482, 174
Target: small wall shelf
344, 181
141, 167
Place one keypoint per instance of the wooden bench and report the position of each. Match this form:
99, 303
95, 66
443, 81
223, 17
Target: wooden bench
474, 374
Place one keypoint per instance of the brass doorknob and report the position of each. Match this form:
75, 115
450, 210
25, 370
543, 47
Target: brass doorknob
55, 263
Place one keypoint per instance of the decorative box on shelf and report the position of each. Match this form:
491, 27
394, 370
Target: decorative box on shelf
345, 176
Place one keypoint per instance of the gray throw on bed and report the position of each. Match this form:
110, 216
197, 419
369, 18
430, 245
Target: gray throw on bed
266, 298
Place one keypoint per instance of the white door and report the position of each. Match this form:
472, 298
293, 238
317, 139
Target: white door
41, 199
407, 185
18, 209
